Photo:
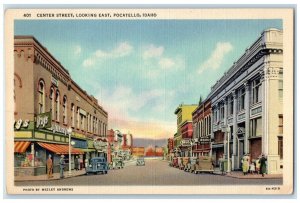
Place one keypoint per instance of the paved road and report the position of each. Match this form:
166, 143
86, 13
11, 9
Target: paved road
156, 172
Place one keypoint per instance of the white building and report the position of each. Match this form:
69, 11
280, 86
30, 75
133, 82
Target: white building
248, 98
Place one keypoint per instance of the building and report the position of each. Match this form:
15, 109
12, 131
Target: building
248, 99
182, 139
50, 107
138, 151
202, 129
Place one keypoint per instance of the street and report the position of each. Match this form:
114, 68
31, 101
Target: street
155, 172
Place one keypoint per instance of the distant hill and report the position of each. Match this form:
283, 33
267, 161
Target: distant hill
143, 142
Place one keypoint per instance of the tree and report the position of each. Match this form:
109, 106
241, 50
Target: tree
200, 100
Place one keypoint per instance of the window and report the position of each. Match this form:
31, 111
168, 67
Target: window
57, 106
280, 89
280, 126
52, 102
41, 97
256, 127
241, 99
82, 121
65, 110
73, 115
230, 105
280, 147
222, 112
78, 118
256, 91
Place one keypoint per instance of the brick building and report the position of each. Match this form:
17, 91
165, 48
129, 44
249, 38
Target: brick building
50, 106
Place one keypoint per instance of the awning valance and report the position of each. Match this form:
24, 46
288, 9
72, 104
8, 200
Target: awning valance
60, 148
21, 146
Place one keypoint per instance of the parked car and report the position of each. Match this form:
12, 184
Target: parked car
140, 161
180, 163
203, 164
191, 163
175, 162
97, 164
117, 163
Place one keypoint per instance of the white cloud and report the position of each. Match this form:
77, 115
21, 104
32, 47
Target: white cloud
216, 58
153, 52
123, 49
166, 63
77, 50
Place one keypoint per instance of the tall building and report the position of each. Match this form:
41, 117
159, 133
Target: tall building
50, 107
202, 129
182, 139
247, 105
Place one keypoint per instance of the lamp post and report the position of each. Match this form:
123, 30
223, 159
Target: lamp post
228, 148
70, 143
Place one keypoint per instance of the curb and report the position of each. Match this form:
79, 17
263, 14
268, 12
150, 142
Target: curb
50, 179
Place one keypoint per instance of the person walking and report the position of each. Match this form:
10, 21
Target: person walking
245, 164
263, 165
62, 165
49, 167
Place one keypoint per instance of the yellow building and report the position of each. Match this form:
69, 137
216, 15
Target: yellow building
184, 114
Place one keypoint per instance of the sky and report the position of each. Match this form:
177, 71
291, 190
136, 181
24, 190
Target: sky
140, 71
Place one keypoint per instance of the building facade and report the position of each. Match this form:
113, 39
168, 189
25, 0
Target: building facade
202, 129
50, 107
248, 100
182, 145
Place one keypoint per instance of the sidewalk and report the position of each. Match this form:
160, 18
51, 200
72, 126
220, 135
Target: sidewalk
240, 175
56, 176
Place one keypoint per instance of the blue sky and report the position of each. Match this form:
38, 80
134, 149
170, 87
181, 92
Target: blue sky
140, 71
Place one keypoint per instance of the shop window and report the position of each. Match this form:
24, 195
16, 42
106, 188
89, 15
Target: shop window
256, 91
280, 147
65, 110
256, 127
41, 97
280, 126
57, 106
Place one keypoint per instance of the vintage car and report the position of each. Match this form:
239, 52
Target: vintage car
175, 162
191, 164
140, 161
96, 165
185, 162
117, 163
203, 164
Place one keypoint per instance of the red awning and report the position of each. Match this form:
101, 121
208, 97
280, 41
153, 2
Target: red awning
21, 147
60, 148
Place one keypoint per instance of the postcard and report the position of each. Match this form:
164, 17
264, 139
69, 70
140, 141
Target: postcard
149, 101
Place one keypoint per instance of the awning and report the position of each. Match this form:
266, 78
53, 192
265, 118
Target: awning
60, 148
20, 147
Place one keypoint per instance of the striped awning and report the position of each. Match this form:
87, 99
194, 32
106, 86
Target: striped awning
21, 146
60, 148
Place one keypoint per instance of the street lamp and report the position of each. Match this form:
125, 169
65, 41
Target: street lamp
228, 152
70, 143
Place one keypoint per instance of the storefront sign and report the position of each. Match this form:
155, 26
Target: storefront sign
204, 140
79, 143
100, 145
43, 120
186, 142
58, 129
21, 124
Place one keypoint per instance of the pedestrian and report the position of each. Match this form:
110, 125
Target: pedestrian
49, 166
245, 164
62, 165
76, 163
252, 168
86, 163
257, 165
263, 165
